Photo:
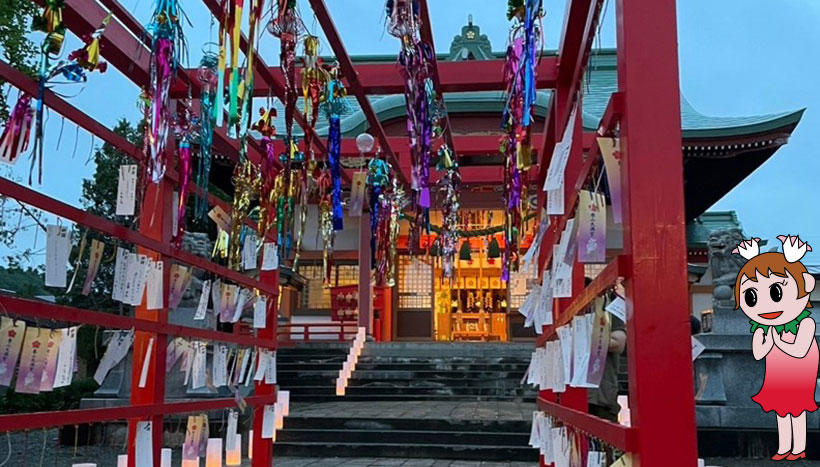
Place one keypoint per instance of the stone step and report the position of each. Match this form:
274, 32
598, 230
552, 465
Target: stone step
408, 424
404, 437
330, 396
378, 390
414, 451
489, 367
365, 373
363, 380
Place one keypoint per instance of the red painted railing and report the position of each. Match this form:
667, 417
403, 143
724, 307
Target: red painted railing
339, 331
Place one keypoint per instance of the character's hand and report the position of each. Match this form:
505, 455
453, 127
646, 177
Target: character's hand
761, 343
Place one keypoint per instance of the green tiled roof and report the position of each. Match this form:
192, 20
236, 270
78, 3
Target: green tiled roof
600, 83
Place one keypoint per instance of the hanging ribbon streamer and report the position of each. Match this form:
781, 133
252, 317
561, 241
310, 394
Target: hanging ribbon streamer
519, 75
166, 49
286, 26
423, 113
335, 104
51, 23
207, 103
14, 140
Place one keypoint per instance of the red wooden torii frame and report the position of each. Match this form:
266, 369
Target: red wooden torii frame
660, 369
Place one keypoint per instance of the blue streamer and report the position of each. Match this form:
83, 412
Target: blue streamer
375, 206
334, 144
532, 11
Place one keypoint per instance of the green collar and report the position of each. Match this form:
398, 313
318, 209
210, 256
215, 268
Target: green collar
791, 326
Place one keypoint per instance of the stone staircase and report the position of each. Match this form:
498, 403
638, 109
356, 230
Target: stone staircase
409, 400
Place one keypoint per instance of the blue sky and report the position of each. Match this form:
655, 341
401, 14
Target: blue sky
737, 57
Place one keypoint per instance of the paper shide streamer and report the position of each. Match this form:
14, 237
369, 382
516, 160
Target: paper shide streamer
519, 76
15, 138
387, 200
185, 132
167, 48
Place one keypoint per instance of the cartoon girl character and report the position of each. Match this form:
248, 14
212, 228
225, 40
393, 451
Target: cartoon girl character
773, 290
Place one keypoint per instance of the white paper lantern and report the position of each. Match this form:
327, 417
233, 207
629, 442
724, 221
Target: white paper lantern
250, 444
165, 457
122, 460
233, 456
213, 453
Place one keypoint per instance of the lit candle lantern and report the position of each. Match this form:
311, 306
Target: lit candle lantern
250, 444
213, 453
233, 456
340, 388
284, 396
165, 457
279, 419
190, 462
122, 460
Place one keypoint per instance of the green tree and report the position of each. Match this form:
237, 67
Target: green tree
18, 50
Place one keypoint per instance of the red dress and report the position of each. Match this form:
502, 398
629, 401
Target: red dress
788, 387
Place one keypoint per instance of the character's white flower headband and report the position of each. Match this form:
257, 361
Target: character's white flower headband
793, 248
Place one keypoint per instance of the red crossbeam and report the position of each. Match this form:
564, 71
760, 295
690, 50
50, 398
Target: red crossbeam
349, 72
49, 311
78, 216
622, 437
32, 421
468, 75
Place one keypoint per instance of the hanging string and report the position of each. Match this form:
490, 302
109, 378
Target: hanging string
76, 138
60, 136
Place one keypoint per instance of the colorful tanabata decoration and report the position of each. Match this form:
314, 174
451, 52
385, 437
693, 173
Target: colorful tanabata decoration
450, 185
73, 70
267, 172
246, 186
208, 108
386, 204
326, 223
167, 47
423, 106
314, 78
519, 75
286, 26
186, 134
335, 105
17, 131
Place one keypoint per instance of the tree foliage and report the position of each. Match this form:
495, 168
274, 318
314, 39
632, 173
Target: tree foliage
18, 50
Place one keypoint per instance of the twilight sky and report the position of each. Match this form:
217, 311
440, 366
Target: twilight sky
737, 57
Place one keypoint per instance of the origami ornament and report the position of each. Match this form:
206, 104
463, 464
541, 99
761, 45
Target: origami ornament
335, 105
15, 137
208, 107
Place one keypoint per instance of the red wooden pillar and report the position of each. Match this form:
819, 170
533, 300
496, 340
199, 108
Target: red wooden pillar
661, 395
155, 223
263, 448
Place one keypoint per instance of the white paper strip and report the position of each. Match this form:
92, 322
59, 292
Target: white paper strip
117, 350
260, 312
58, 246
144, 450
146, 363
127, 190
202, 307
154, 286
65, 357
270, 257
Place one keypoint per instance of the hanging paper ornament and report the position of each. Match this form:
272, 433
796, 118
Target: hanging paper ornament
519, 75
246, 185
206, 74
335, 104
378, 172
402, 17
286, 25
14, 140
267, 171
326, 223
167, 47
314, 78
185, 133
450, 185
72, 70
494, 250
51, 23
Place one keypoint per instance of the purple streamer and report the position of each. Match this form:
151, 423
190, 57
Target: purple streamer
334, 143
